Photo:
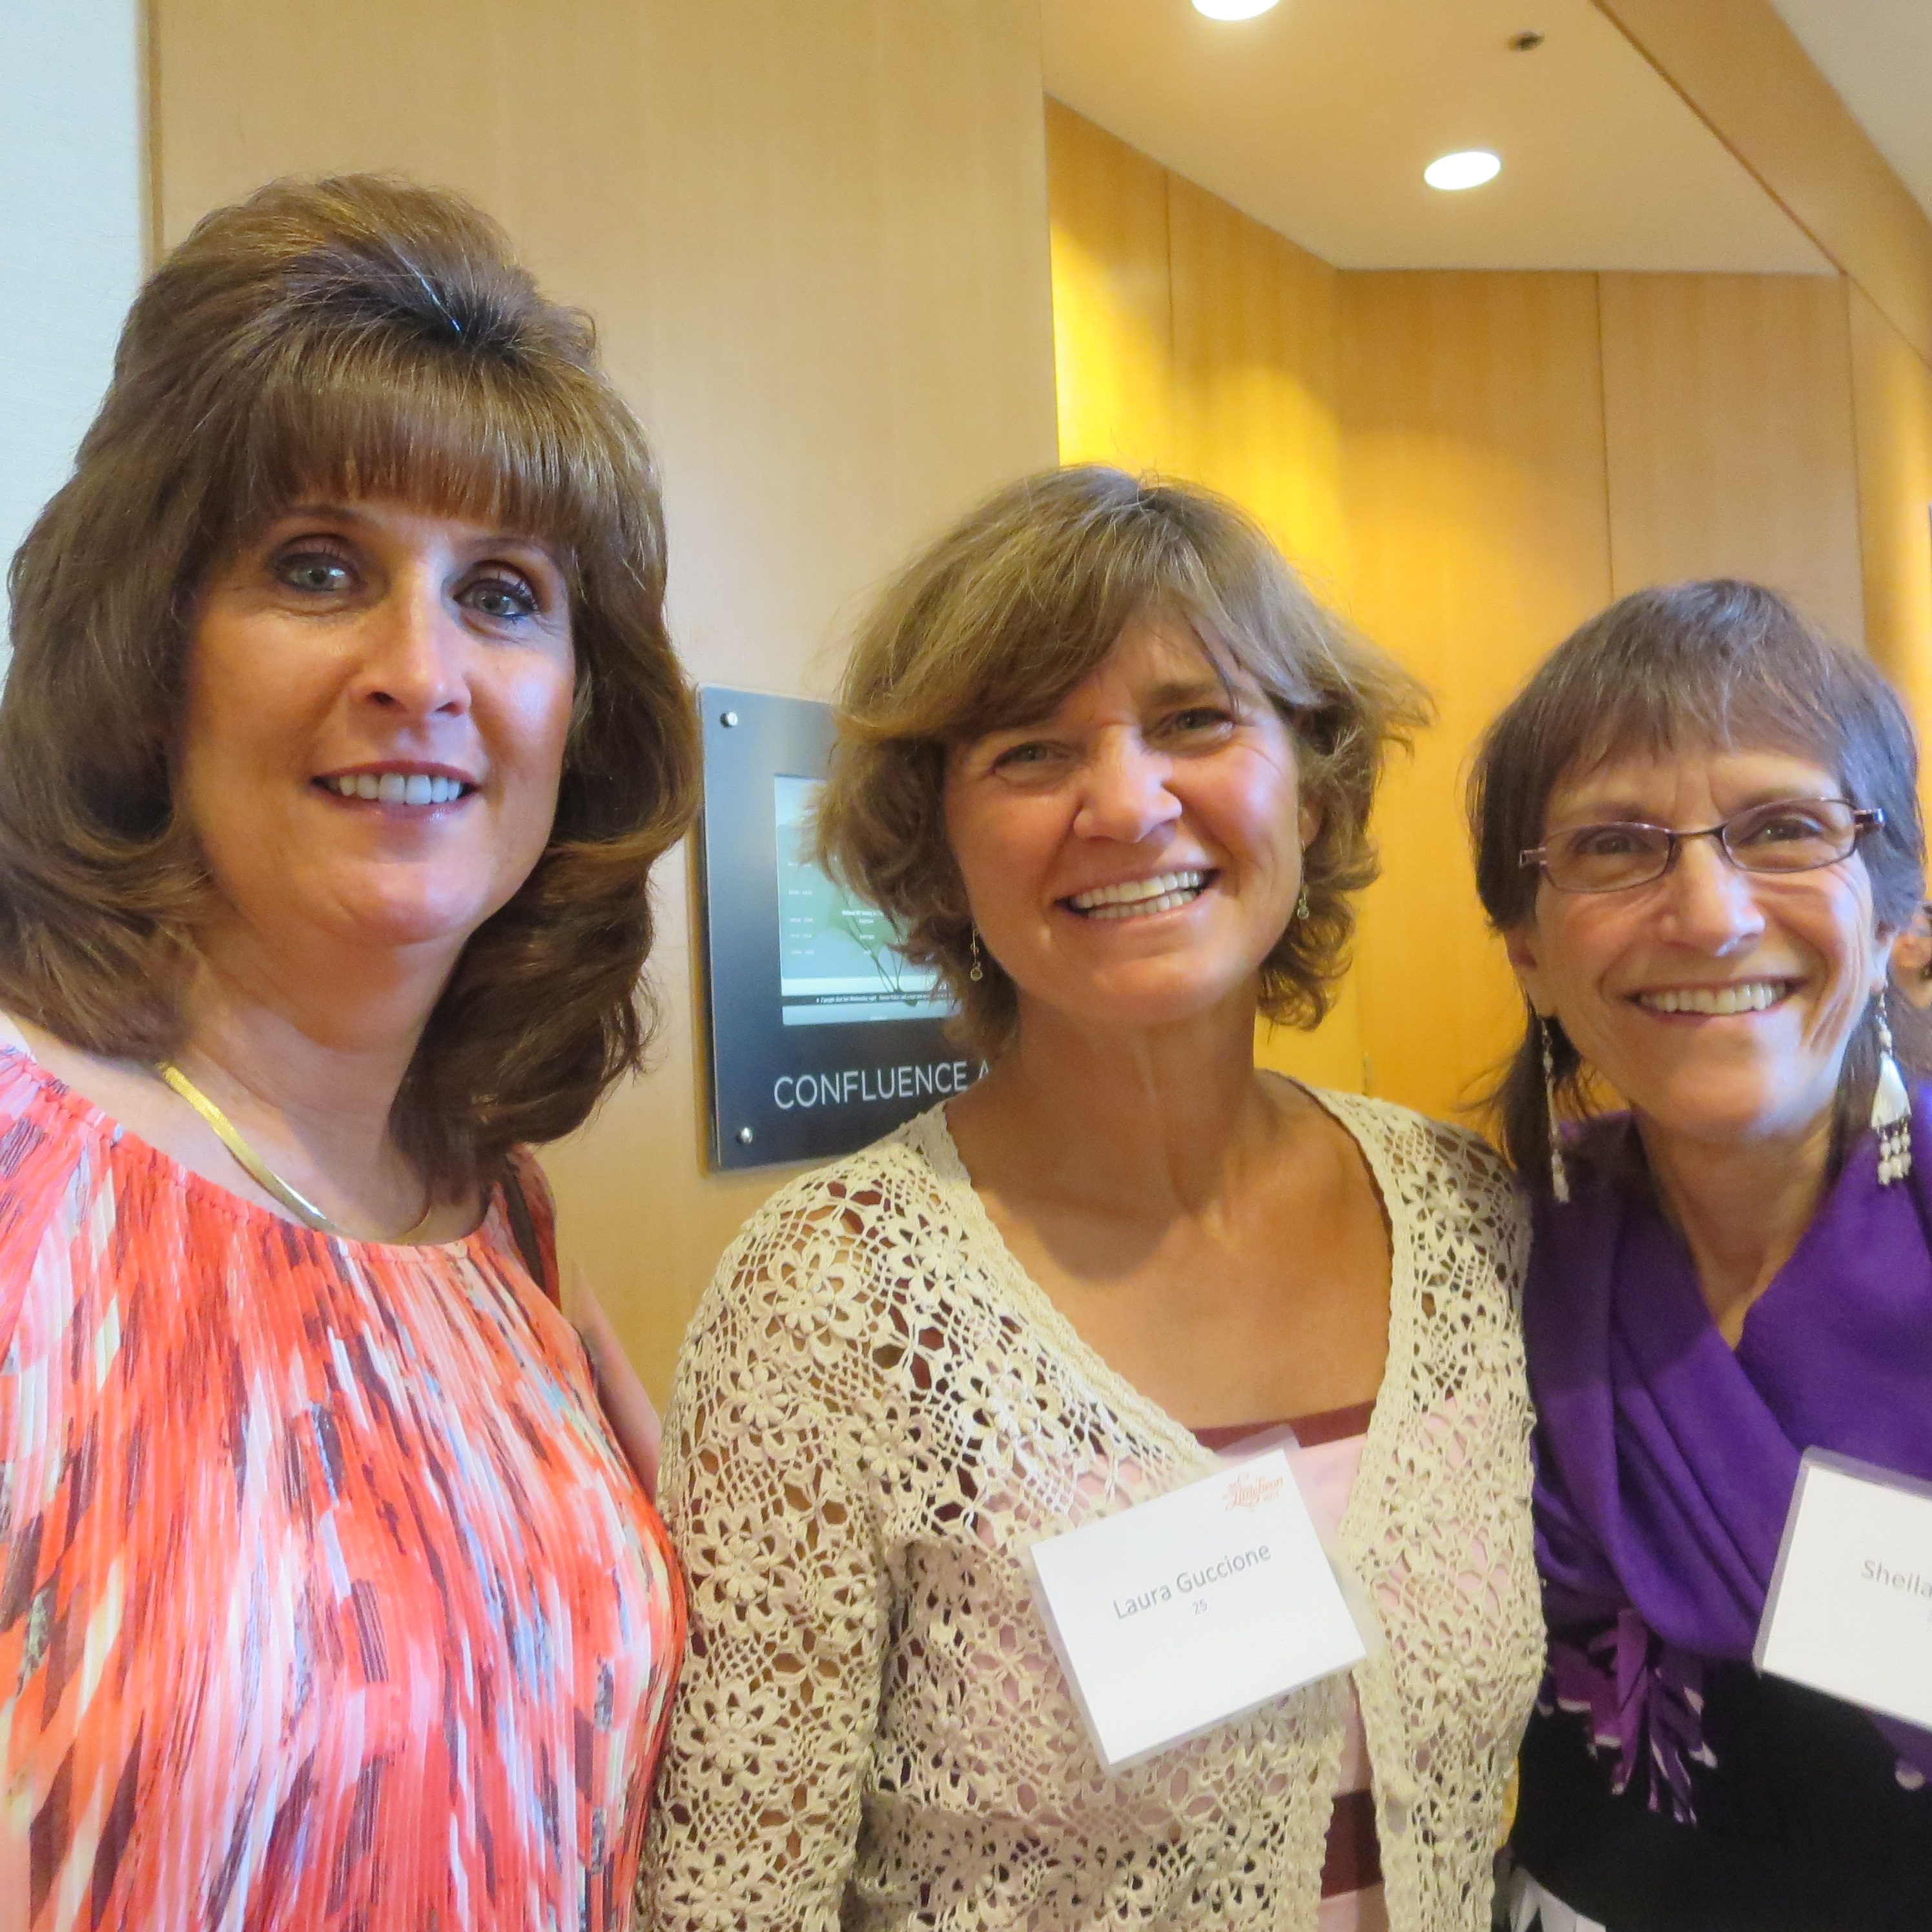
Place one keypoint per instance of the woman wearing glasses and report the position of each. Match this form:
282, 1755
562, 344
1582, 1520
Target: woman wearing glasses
1697, 829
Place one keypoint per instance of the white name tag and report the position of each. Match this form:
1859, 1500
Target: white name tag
1850, 1608
1181, 1613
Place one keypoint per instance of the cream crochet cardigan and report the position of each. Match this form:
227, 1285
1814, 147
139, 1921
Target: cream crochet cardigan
877, 1409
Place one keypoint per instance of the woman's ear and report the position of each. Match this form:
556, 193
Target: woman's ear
1520, 943
1308, 820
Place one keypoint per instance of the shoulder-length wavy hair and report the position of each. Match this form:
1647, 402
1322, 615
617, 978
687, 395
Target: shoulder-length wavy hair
995, 624
358, 338
1688, 667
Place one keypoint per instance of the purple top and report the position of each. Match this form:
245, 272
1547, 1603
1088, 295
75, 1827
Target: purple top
1666, 1460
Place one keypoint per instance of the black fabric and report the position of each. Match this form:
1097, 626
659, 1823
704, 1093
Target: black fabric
1802, 1825
523, 1232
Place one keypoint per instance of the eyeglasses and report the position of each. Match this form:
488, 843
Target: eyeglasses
1794, 835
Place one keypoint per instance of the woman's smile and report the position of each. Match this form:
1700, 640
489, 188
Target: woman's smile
1142, 898
400, 789
1743, 998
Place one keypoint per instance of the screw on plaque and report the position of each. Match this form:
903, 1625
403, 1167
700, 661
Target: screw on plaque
744, 1135
729, 718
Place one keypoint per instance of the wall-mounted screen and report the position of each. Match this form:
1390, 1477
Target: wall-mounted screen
837, 962
820, 1036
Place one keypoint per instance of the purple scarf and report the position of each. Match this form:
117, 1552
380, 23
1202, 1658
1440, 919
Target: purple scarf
1665, 1461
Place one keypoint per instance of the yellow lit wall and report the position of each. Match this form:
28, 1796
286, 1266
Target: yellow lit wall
1468, 465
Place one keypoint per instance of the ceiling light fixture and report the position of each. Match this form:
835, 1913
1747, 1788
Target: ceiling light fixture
1233, 10
1469, 168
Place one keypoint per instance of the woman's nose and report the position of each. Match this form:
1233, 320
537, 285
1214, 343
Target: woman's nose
1712, 903
1126, 795
414, 647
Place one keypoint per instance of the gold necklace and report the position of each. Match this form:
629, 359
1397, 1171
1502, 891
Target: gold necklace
259, 1170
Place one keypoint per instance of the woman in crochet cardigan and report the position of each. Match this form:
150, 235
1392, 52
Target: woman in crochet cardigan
1109, 767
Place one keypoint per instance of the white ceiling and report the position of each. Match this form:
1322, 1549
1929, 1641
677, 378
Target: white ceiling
1318, 119
1878, 55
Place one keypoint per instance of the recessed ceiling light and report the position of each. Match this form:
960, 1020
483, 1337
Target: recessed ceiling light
1470, 168
1232, 10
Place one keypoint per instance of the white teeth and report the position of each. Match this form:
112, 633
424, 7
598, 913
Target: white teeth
1161, 893
1753, 996
397, 788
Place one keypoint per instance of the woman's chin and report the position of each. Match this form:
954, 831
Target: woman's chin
1716, 1122
399, 921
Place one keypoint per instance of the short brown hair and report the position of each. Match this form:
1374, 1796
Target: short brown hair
994, 625
1687, 667
360, 337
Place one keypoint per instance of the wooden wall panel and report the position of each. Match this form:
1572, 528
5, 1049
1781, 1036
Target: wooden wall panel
1257, 376
1113, 303
1892, 392
1738, 66
1479, 531
1727, 407
1257, 390
815, 242
1190, 339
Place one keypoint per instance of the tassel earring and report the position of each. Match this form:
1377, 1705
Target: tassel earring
1892, 1109
978, 972
1559, 1175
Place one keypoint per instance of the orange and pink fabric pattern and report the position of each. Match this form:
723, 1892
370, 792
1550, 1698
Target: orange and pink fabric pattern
326, 1600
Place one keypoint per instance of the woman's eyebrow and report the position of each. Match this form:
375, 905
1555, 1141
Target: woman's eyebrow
1192, 691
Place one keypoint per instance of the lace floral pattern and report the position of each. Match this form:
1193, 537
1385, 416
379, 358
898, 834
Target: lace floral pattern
877, 1409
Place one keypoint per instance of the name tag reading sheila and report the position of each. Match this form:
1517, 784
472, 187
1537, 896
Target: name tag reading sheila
1198, 1607
1850, 1608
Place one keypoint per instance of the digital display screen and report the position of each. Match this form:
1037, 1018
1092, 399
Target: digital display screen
838, 961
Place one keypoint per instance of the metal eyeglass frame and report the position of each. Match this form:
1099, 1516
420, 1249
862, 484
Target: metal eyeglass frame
1864, 818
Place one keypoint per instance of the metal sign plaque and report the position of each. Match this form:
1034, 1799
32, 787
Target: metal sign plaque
821, 1037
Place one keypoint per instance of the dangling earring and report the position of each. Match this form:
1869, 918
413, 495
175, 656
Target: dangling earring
977, 973
1892, 1109
1301, 907
1559, 1175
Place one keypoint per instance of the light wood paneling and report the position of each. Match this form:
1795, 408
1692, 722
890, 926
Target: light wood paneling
1113, 303
1478, 516
1892, 391
815, 240
1727, 408
1257, 415
1191, 340
1257, 348
1743, 70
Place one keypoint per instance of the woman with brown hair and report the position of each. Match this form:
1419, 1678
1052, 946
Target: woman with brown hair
341, 733
1110, 769
1698, 831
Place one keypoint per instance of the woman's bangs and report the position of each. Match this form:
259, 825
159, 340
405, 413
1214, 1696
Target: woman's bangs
1700, 707
466, 440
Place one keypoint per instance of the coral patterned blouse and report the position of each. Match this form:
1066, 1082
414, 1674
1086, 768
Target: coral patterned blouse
325, 1598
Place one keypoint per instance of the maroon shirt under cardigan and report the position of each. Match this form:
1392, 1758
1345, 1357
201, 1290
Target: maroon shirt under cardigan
1353, 1862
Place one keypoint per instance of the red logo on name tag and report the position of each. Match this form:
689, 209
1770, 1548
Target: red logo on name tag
1249, 1492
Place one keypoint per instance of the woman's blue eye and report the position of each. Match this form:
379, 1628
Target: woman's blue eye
315, 570
502, 597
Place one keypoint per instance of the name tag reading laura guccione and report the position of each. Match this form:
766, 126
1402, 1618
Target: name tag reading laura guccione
1181, 1613
1850, 1609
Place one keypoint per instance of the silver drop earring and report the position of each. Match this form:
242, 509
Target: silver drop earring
1301, 907
1559, 1175
1892, 1109
978, 972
